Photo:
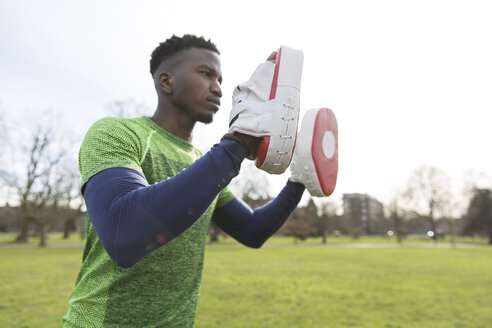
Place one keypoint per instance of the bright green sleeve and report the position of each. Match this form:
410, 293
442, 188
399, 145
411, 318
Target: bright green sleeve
109, 143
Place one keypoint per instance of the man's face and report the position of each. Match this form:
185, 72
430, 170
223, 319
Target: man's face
196, 84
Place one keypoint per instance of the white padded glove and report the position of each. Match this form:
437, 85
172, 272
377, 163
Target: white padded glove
267, 106
251, 112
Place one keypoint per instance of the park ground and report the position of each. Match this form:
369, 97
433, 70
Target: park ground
369, 282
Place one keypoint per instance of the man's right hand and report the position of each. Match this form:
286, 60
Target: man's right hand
252, 142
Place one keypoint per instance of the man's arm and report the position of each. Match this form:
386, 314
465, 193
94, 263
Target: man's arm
253, 228
132, 218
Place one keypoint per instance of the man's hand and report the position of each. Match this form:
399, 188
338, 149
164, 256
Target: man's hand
252, 142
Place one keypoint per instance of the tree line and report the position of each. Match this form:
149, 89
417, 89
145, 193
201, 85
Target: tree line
38, 173
425, 205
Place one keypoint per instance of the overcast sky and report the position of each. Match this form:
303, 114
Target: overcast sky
409, 81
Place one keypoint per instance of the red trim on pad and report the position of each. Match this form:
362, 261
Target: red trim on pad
265, 141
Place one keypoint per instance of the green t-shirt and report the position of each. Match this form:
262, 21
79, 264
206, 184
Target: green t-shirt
161, 290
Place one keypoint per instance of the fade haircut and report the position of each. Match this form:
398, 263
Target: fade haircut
176, 44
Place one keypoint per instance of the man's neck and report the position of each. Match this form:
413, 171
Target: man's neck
179, 125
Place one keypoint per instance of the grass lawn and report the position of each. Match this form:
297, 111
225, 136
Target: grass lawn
284, 285
35, 285
346, 287
55, 239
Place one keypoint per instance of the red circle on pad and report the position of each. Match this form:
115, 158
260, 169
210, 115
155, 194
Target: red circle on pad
326, 168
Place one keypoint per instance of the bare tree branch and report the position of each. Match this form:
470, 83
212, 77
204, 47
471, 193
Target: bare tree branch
39, 178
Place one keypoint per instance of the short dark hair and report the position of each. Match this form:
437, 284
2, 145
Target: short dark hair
176, 44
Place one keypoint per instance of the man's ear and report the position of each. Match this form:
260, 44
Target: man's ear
165, 81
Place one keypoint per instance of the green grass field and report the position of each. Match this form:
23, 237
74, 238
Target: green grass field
283, 285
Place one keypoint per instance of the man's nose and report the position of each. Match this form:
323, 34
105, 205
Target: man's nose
216, 89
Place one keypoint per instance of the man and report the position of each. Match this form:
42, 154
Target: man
150, 196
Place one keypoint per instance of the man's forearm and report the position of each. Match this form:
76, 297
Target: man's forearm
253, 228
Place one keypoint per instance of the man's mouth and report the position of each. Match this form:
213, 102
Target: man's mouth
214, 100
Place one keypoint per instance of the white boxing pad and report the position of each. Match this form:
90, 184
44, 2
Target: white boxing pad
315, 161
276, 149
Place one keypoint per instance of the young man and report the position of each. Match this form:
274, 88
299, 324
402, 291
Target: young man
150, 196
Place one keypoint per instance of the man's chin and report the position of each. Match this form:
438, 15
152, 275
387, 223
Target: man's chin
206, 119
203, 116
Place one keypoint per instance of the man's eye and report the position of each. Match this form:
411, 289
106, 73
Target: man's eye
205, 73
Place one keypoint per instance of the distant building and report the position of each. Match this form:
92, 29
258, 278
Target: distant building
365, 213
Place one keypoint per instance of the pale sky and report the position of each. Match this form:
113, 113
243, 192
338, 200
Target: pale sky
409, 81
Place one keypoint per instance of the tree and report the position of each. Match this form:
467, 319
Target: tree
35, 191
71, 208
4, 140
479, 215
397, 216
127, 109
429, 194
39, 196
252, 185
324, 220
38, 178
299, 225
